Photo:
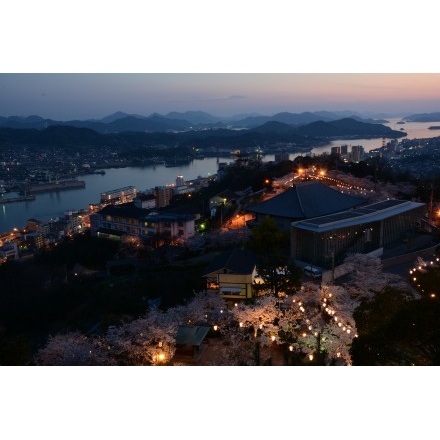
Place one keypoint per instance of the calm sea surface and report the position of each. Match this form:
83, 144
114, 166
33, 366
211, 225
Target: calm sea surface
53, 204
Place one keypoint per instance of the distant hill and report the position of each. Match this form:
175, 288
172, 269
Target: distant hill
297, 119
284, 117
194, 117
115, 116
275, 127
117, 122
348, 127
131, 132
54, 136
369, 120
154, 123
423, 117
120, 122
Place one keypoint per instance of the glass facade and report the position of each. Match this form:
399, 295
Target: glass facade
320, 248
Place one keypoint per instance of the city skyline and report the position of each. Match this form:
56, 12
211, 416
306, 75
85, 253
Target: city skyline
69, 96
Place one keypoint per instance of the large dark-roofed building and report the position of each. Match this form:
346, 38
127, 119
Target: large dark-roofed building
329, 239
306, 200
326, 225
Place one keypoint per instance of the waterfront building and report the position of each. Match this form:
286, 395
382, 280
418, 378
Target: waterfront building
120, 195
184, 189
34, 239
9, 251
113, 221
38, 226
73, 222
357, 153
164, 194
341, 150
335, 151
281, 157
145, 201
179, 180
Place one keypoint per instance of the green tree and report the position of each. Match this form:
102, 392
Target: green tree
268, 242
380, 323
282, 279
271, 245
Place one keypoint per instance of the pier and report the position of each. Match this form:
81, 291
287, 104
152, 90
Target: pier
17, 199
61, 185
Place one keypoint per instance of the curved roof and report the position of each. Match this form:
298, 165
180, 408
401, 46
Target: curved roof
307, 200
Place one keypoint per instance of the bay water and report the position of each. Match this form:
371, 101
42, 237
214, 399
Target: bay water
50, 205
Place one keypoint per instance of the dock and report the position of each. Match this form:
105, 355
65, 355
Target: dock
17, 199
61, 185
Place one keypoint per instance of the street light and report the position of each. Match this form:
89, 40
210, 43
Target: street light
160, 355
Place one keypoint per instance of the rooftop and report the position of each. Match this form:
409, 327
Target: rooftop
238, 261
364, 214
307, 200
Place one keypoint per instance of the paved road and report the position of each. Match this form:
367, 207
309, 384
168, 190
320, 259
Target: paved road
402, 269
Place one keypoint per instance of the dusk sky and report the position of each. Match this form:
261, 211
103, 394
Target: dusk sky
50, 51
177, 37
82, 96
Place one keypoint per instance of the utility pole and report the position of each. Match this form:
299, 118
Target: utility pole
431, 202
333, 266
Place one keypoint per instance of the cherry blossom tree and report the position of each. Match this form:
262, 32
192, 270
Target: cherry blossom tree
149, 340
330, 326
74, 349
367, 277
315, 323
256, 324
330, 333
131, 246
205, 308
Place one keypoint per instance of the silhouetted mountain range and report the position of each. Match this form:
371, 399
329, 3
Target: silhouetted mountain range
423, 117
269, 133
174, 121
346, 127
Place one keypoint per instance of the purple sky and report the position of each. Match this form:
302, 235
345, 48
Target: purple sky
82, 96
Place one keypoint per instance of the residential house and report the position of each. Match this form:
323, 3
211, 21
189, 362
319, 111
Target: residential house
232, 274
